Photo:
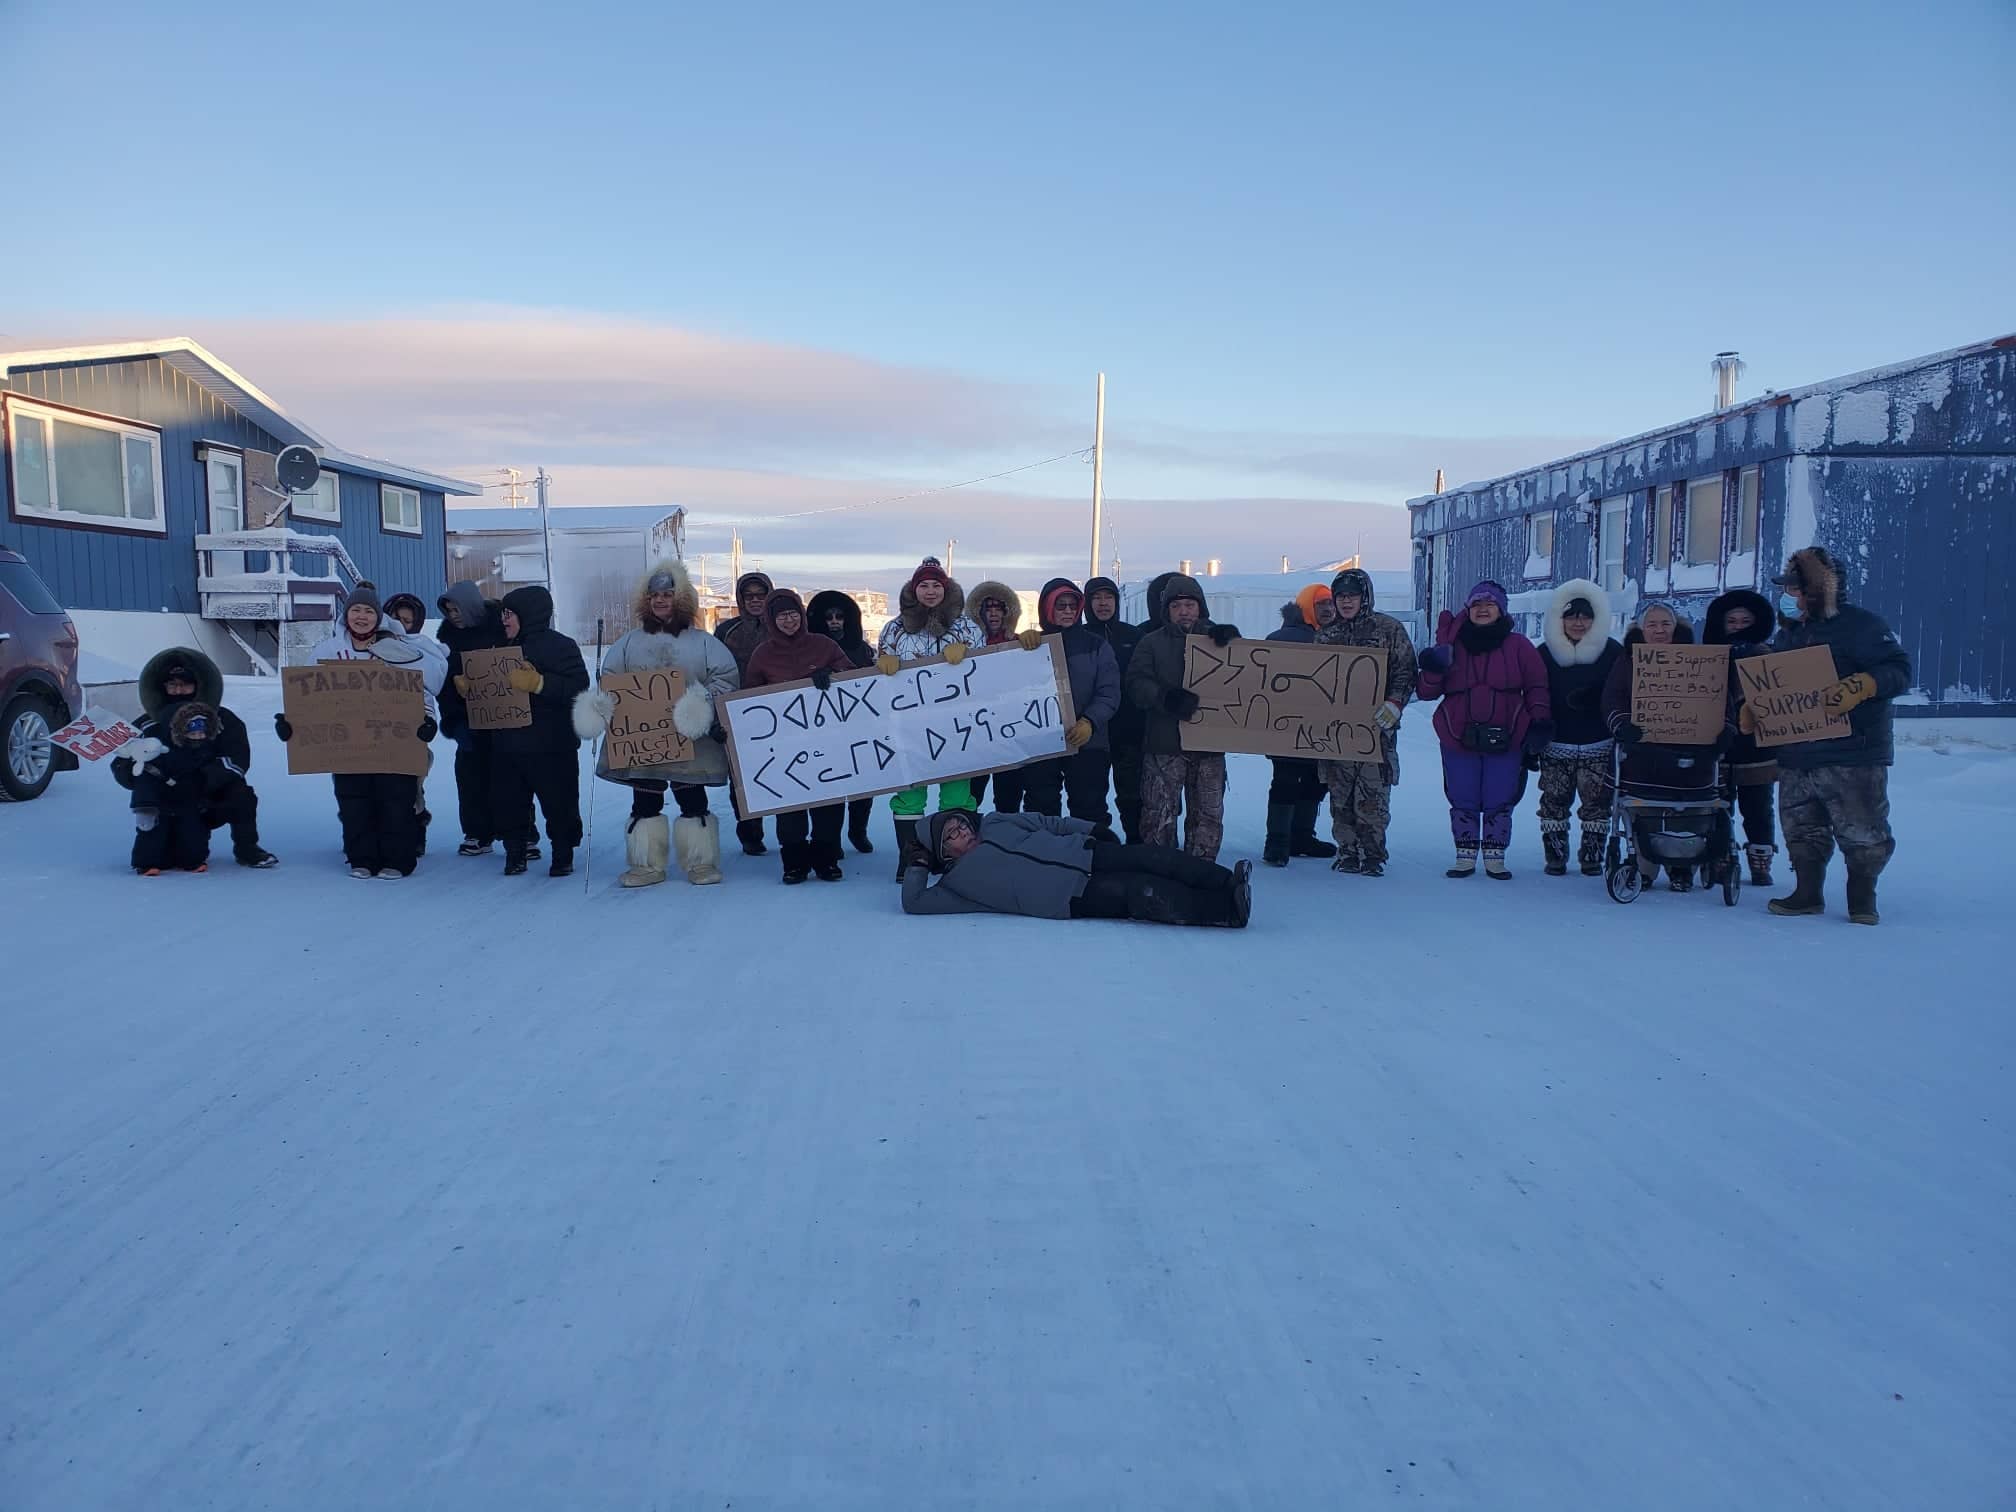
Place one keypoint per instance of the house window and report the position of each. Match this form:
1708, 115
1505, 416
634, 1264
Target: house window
1704, 521
85, 470
399, 509
1746, 510
322, 502
1539, 545
1610, 541
1662, 527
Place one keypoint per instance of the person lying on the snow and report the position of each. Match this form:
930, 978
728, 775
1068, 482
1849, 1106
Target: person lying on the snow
1051, 868
172, 678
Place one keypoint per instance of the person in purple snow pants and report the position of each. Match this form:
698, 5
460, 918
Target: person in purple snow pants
1495, 712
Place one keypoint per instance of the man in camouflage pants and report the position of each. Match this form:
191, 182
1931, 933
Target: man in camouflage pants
1361, 792
1195, 785
1172, 778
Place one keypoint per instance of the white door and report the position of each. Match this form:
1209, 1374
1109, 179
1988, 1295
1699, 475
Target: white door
227, 506
1610, 543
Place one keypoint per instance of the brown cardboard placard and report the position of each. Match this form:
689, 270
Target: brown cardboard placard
793, 747
1285, 698
493, 703
1786, 693
1680, 693
641, 732
354, 717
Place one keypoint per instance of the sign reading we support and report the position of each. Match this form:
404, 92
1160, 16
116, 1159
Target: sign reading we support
1680, 694
353, 717
1285, 698
1786, 693
92, 735
792, 746
641, 732
493, 703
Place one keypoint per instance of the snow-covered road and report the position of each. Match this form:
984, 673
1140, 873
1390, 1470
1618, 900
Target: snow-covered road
472, 1194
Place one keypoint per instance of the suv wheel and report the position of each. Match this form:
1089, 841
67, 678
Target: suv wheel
27, 755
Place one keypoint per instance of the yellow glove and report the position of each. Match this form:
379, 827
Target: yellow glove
1030, 639
1078, 734
1850, 691
888, 665
461, 685
527, 679
1745, 720
956, 652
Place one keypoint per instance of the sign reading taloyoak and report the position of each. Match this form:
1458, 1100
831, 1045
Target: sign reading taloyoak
794, 746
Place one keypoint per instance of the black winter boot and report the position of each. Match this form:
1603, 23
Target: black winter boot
1302, 839
563, 862
1862, 897
750, 833
1680, 878
514, 863
857, 836
1280, 820
1759, 857
906, 836
1808, 897
1554, 842
1591, 852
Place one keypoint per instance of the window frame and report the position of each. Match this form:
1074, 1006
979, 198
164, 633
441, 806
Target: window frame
1720, 483
1617, 508
1750, 481
1539, 561
386, 491
20, 409
295, 509
1664, 502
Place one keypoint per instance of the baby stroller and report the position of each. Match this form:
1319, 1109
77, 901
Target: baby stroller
1673, 810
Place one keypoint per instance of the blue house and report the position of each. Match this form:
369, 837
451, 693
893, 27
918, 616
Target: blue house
1906, 473
139, 479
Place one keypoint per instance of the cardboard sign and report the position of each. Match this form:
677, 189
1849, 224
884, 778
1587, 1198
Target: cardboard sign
792, 746
493, 703
1284, 698
94, 735
1680, 694
1786, 693
354, 717
641, 732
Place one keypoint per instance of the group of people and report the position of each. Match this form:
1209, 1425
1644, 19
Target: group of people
1053, 845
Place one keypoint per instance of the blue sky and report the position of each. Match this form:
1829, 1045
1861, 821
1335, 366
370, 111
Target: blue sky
1318, 249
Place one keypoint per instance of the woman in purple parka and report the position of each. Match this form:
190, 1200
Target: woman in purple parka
1495, 711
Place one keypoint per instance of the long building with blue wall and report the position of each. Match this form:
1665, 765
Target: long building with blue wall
1906, 473
121, 467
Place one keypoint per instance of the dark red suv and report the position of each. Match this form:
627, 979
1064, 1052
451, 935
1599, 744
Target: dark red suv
39, 691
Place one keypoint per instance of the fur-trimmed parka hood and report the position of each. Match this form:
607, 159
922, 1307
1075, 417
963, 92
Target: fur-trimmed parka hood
1813, 572
918, 620
1180, 585
1010, 601
1764, 619
673, 576
1589, 649
194, 723
203, 672
824, 603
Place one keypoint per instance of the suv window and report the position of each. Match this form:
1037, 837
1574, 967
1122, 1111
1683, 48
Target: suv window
19, 579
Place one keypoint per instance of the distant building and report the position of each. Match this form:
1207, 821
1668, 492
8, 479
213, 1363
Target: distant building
139, 480
1253, 600
600, 554
1906, 473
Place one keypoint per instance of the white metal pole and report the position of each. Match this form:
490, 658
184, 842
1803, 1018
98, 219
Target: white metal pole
1098, 469
545, 528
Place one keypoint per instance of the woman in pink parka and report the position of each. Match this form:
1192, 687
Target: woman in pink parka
1495, 710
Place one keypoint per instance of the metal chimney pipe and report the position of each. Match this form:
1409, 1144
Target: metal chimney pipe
1184, 567
1211, 567
1728, 366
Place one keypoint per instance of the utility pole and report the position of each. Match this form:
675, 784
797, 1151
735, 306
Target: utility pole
514, 490
1098, 469
540, 480
1284, 564
950, 542
735, 564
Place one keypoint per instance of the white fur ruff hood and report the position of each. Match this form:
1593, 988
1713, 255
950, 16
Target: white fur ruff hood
1569, 653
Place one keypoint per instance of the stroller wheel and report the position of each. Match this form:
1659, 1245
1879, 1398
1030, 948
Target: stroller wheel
1625, 882
1732, 882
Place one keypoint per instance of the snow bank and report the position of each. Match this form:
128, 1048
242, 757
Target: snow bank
477, 1193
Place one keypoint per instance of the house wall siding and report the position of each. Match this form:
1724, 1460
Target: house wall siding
119, 570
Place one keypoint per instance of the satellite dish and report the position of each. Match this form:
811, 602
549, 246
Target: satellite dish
297, 469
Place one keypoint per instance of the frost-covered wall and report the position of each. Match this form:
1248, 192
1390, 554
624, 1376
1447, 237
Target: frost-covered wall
1908, 474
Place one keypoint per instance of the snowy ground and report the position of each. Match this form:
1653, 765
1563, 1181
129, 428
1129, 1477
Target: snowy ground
467, 1193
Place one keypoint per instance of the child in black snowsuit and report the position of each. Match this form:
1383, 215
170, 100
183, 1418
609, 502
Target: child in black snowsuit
171, 787
542, 760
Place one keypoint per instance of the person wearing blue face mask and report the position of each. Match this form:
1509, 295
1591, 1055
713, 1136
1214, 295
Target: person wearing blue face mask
1837, 792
